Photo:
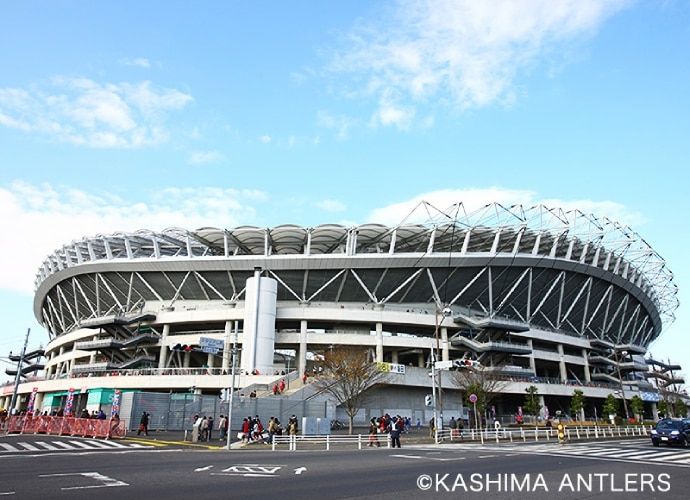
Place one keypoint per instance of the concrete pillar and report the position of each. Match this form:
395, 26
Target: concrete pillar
92, 357
561, 364
379, 342
165, 348
421, 362
542, 412
394, 356
227, 349
585, 360
302, 352
445, 352
532, 362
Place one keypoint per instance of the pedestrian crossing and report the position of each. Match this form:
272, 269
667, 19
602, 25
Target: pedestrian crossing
67, 445
669, 456
638, 452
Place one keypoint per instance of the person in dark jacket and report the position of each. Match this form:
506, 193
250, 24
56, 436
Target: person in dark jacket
144, 424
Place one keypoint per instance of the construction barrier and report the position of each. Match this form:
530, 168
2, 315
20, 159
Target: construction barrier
72, 426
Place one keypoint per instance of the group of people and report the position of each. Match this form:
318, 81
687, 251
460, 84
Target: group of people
254, 431
395, 426
279, 388
100, 415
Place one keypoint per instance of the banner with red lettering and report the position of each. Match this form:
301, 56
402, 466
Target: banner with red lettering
70, 402
116, 404
32, 400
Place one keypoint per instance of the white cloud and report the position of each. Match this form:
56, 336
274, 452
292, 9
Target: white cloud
199, 157
476, 198
467, 52
341, 124
265, 139
40, 219
331, 205
141, 62
82, 111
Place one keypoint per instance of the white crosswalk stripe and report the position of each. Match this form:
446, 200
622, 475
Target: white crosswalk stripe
629, 452
68, 445
676, 456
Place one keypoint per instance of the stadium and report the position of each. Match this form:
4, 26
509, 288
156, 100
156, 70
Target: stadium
559, 300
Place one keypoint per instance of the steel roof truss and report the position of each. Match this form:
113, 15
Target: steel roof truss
178, 290
522, 276
558, 278
64, 301
604, 299
413, 276
325, 285
107, 286
208, 284
289, 289
148, 285
467, 286
364, 287
87, 301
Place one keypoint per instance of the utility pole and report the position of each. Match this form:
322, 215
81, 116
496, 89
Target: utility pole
232, 389
17, 377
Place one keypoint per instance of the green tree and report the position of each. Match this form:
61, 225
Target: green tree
577, 403
531, 405
611, 406
637, 407
681, 408
662, 407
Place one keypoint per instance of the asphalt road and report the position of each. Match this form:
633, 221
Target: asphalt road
630, 469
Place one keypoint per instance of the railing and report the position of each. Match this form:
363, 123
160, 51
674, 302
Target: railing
361, 440
72, 426
571, 432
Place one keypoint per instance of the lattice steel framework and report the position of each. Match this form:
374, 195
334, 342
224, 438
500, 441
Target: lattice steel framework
558, 270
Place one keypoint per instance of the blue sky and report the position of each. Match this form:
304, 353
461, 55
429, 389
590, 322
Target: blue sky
123, 115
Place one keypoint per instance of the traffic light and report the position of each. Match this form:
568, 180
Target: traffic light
224, 394
182, 348
428, 400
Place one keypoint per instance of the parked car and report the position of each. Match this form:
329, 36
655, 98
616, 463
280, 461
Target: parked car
671, 431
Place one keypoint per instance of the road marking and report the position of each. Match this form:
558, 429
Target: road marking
299, 470
102, 481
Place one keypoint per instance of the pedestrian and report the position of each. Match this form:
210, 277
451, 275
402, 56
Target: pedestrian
209, 428
203, 429
223, 427
258, 432
395, 429
245, 430
272, 427
144, 424
373, 431
453, 426
292, 426
432, 427
282, 385
419, 424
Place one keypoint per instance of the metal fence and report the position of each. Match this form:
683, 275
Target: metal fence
176, 412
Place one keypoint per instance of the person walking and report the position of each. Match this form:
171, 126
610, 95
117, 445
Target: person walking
144, 424
373, 431
396, 428
223, 427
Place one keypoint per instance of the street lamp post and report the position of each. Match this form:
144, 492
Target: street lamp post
440, 315
620, 379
